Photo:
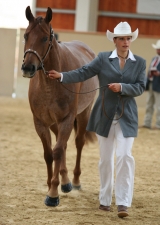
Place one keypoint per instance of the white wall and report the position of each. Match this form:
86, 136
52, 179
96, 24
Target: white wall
12, 13
7, 61
148, 6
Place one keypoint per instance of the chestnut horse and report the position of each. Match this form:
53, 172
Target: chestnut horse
53, 106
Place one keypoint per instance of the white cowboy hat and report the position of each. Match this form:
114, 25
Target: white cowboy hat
157, 45
122, 29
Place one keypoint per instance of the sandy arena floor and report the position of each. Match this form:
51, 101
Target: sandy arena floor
23, 177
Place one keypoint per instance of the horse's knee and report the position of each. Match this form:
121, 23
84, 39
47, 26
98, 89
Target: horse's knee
57, 153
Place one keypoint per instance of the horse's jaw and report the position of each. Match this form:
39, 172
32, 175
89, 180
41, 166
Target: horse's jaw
27, 74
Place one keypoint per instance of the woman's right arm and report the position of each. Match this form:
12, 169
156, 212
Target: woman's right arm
87, 71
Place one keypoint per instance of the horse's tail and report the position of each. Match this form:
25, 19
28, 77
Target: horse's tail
90, 137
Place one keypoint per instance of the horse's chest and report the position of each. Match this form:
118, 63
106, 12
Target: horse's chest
43, 112
51, 110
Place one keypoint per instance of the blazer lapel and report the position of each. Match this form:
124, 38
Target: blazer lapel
115, 63
129, 63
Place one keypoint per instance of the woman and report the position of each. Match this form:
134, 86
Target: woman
124, 73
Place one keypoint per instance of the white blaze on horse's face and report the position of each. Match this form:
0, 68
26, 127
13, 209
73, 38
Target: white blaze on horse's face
37, 43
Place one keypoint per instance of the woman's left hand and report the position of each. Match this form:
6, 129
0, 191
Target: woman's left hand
155, 73
115, 87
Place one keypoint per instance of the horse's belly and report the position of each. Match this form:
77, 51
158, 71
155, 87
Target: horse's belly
89, 95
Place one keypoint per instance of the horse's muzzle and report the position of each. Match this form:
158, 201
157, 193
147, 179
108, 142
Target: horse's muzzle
28, 70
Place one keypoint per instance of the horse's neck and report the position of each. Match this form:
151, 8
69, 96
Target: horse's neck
59, 56
55, 57
52, 62
43, 84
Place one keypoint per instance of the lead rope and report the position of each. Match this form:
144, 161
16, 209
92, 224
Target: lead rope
103, 107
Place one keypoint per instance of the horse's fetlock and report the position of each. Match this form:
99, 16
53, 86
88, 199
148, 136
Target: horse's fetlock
77, 173
55, 182
63, 171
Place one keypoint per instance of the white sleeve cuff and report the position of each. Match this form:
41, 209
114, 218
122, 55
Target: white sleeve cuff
61, 79
121, 87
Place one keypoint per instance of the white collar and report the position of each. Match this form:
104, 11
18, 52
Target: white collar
115, 55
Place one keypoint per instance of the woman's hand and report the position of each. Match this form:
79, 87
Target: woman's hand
115, 87
155, 73
53, 74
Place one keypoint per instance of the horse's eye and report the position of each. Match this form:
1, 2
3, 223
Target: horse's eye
44, 39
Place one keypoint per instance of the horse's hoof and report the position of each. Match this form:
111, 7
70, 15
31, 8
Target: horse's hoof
76, 187
51, 201
66, 188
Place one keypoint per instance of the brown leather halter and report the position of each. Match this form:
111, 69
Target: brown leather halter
41, 67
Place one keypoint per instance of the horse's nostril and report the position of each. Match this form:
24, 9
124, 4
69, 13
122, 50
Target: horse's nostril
23, 67
28, 68
33, 68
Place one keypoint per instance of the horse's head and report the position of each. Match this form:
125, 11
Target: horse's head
38, 42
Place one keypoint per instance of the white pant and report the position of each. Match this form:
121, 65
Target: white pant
125, 167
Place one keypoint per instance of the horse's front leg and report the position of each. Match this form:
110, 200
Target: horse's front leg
65, 182
59, 157
45, 137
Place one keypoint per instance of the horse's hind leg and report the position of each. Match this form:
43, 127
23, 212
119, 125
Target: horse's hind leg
80, 128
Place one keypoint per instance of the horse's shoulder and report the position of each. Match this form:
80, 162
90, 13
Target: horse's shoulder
76, 47
75, 43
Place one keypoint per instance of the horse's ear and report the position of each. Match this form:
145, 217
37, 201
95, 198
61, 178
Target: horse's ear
48, 17
29, 14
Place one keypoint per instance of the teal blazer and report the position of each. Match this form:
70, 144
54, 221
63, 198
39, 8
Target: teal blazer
133, 81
